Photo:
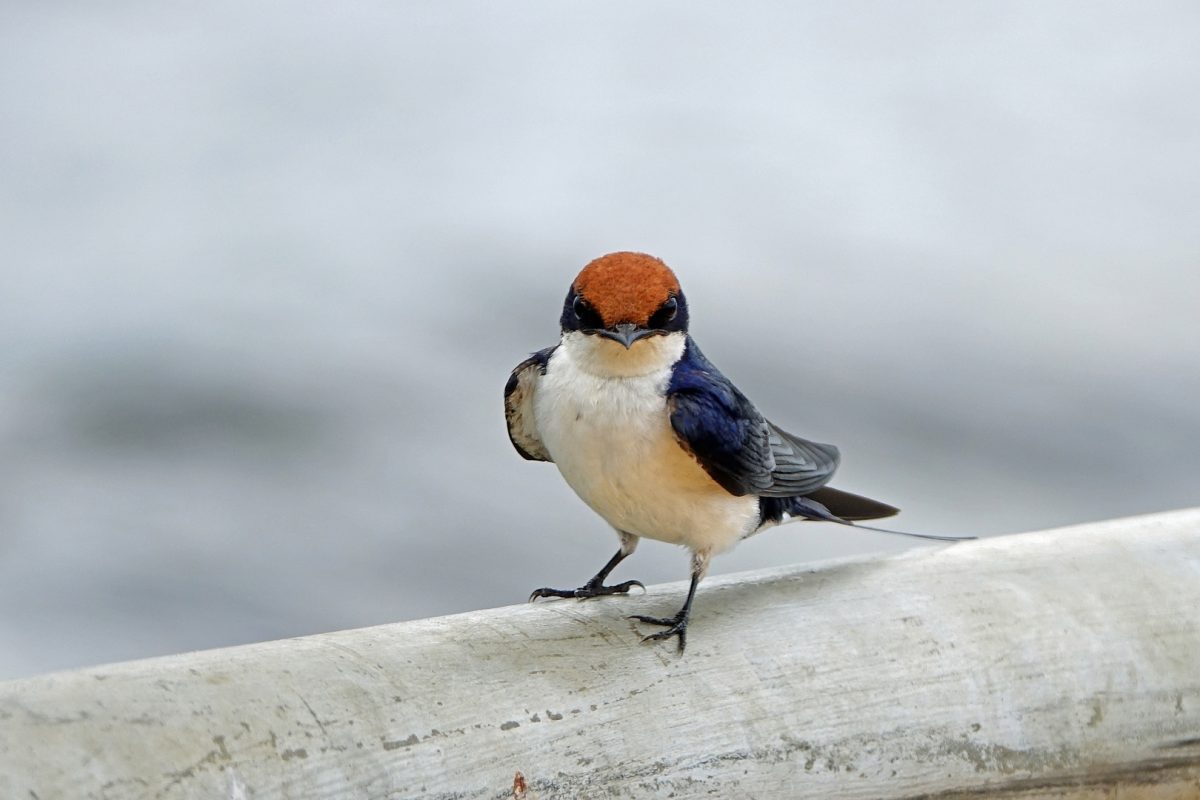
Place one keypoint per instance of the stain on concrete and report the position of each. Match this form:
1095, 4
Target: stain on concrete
1097, 714
395, 745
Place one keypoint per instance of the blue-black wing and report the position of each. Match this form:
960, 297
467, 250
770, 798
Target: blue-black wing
518, 406
735, 444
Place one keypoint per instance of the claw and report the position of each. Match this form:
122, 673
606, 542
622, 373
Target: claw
620, 588
676, 626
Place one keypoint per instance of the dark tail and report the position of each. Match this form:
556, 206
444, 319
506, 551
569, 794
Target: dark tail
833, 505
850, 506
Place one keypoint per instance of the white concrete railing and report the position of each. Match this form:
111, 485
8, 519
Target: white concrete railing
1064, 663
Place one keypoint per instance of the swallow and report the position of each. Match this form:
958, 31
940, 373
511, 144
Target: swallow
654, 439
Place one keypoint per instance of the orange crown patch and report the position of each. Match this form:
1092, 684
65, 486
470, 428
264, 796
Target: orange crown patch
626, 287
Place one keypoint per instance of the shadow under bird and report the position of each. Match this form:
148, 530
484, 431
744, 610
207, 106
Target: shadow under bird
655, 439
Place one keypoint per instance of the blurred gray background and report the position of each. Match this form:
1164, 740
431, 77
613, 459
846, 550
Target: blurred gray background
264, 269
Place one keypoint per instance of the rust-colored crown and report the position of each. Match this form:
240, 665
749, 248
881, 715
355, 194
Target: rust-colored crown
626, 287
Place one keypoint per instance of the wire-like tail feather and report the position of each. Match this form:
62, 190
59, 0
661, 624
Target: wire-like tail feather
811, 509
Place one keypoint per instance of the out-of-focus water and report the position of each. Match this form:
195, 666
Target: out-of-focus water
264, 270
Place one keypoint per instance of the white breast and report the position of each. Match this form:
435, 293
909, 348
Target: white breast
611, 438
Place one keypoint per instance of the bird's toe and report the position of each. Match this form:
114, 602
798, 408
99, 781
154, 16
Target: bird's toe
546, 591
587, 591
675, 626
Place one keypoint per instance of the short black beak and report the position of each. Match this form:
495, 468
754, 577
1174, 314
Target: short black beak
626, 333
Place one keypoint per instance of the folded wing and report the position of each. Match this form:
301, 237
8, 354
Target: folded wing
518, 406
738, 447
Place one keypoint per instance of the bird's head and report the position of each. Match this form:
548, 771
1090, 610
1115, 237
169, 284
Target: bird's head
626, 309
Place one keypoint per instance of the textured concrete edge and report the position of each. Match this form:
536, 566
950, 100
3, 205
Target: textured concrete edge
49, 729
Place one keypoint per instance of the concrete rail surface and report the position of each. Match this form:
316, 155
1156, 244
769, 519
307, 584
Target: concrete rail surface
1063, 663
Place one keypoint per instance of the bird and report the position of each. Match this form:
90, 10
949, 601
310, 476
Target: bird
655, 439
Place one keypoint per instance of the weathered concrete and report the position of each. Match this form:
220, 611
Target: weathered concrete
1064, 663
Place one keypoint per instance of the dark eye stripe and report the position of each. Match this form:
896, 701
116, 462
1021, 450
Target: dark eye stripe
666, 312
587, 316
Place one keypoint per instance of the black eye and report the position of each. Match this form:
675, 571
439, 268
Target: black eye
585, 314
666, 312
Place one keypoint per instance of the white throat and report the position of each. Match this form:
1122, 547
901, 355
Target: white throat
605, 358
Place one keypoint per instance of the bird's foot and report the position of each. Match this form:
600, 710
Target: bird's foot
675, 626
592, 588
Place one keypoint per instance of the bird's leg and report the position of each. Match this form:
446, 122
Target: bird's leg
595, 587
677, 625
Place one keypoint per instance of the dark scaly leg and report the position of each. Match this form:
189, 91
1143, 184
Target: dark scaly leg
677, 625
595, 587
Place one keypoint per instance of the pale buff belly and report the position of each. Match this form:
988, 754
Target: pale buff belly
612, 442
